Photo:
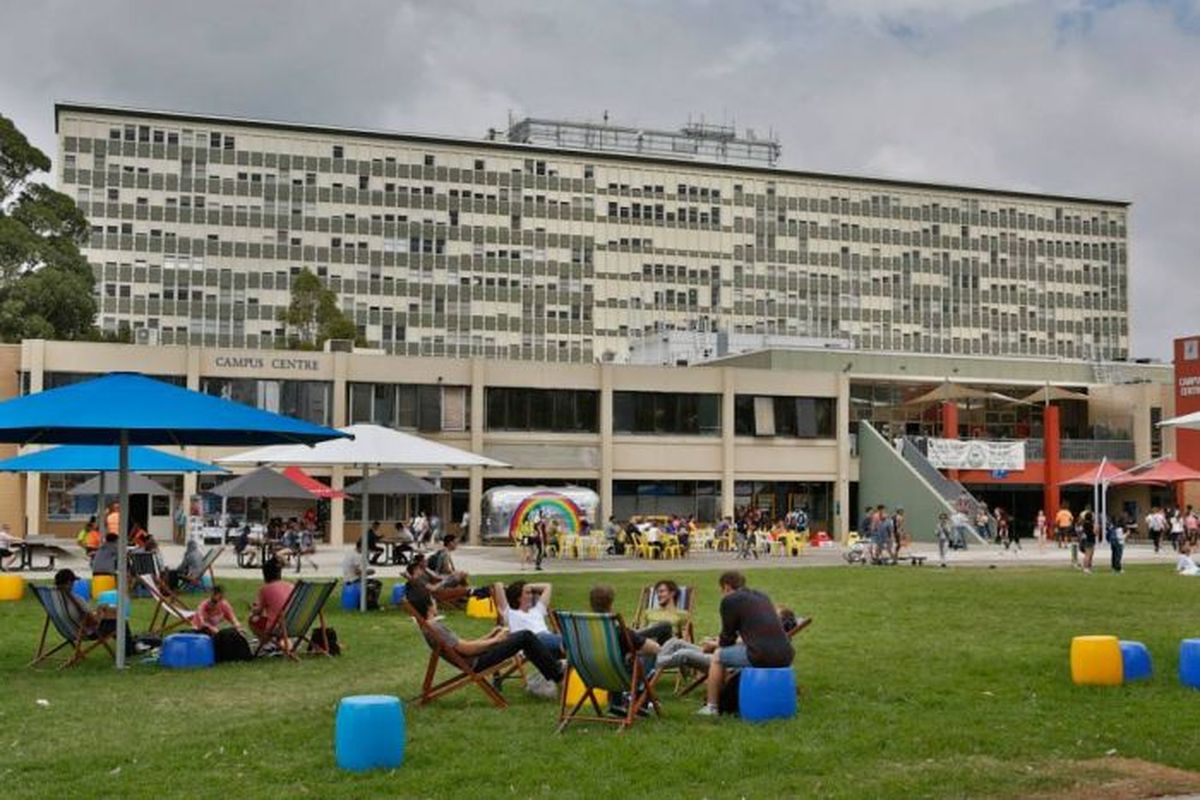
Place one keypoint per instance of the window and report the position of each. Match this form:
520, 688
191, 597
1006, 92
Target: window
307, 400
555, 410
667, 413
423, 407
797, 417
338, 151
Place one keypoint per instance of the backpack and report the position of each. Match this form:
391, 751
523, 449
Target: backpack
229, 645
374, 590
727, 701
324, 639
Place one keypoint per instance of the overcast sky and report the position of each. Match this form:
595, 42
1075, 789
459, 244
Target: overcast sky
1096, 98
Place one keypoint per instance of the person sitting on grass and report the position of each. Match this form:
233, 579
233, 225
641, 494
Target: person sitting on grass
750, 615
1186, 564
272, 597
214, 611
497, 646
523, 607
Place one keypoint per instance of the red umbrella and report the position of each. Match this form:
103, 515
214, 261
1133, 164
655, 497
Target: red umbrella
1093, 476
1163, 472
318, 489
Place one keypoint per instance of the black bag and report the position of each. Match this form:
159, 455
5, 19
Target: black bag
230, 645
324, 639
727, 701
374, 590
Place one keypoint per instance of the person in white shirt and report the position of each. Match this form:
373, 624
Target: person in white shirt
1185, 565
524, 607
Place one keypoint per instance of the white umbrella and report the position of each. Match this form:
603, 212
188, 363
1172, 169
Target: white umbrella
1186, 421
372, 446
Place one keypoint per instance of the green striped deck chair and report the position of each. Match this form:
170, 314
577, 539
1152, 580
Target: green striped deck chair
68, 620
594, 653
292, 626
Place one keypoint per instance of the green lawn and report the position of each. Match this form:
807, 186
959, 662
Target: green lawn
917, 682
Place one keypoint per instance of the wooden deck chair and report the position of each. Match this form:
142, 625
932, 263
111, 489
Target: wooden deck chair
292, 626
67, 619
169, 612
801, 624
206, 568
517, 666
143, 563
439, 651
593, 644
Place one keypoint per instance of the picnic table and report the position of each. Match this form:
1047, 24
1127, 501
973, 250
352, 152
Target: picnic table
31, 547
393, 550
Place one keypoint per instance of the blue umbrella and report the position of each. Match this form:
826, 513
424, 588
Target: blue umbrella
130, 409
103, 458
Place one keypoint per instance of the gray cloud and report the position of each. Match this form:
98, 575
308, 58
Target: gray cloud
1068, 96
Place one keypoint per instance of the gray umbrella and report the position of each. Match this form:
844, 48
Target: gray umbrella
264, 482
394, 481
138, 484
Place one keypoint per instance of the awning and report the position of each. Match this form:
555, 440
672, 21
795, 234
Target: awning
97, 458
1093, 476
1162, 472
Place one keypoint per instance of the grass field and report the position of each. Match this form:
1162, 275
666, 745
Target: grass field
916, 682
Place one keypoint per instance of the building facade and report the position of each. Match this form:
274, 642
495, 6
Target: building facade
775, 430
466, 248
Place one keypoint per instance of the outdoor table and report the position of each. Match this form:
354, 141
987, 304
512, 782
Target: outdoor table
393, 550
33, 546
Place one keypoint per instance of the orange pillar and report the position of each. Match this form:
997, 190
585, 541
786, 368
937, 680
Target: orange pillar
950, 429
1050, 446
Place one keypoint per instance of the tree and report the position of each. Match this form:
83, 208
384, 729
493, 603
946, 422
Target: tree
46, 285
313, 315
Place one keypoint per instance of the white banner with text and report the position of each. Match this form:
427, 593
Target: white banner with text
1007, 456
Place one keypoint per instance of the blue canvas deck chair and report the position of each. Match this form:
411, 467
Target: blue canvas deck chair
594, 652
68, 620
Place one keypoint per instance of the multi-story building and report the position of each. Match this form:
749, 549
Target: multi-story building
483, 248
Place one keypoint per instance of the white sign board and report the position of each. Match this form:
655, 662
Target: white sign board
976, 454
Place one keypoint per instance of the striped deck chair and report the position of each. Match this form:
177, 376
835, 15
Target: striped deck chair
439, 651
67, 618
594, 653
292, 626
144, 564
801, 624
169, 612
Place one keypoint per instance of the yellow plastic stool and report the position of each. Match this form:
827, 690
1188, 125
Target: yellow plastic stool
12, 587
481, 608
576, 690
102, 584
1096, 661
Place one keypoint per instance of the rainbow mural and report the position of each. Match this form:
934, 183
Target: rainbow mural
547, 504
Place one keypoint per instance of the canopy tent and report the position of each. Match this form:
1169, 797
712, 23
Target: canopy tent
103, 458
264, 482
131, 409
367, 446
394, 481
138, 484
1093, 477
312, 485
1048, 394
1165, 471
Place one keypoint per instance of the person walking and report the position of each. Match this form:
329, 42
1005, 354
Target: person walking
1039, 529
1156, 524
943, 533
1087, 538
1116, 543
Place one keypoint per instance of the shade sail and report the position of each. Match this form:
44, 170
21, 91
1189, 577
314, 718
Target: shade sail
394, 481
264, 482
138, 484
311, 484
1094, 475
151, 411
949, 392
1161, 472
103, 458
371, 446
1048, 394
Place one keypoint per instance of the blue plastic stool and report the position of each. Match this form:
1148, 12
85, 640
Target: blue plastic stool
1135, 661
766, 693
187, 651
369, 732
1189, 663
398, 593
351, 594
109, 598
82, 589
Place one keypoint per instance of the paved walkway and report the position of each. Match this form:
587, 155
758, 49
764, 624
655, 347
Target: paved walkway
480, 560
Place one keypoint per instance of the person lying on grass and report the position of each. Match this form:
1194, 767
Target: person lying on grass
750, 615
1186, 564
497, 646
524, 607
